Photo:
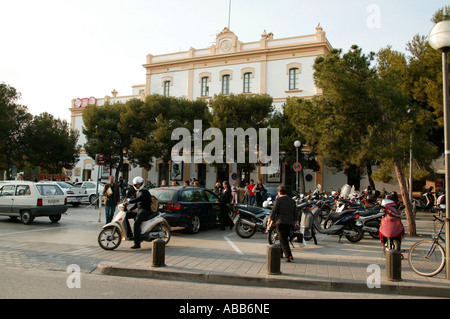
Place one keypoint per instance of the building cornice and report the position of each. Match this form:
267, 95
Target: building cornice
268, 48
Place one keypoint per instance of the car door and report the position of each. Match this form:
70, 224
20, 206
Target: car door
203, 206
188, 204
7, 198
213, 205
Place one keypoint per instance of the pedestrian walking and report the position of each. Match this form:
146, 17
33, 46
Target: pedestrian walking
111, 192
251, 195
284, 215
260, 192
235, 194
225, 199
245, 200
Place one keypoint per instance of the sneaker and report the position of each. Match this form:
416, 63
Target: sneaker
289, 259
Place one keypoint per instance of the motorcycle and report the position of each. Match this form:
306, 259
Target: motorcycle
250, 219
391, 228
114, 232
344, 225
370, 221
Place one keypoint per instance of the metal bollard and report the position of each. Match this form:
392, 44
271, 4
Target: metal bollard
158, 253
273, 259
393, 265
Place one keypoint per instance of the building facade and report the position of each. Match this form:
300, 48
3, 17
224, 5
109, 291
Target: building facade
281, 68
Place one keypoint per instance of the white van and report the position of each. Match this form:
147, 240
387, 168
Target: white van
28, 200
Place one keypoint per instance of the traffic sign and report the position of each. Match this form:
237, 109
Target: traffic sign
100, 159
297, 167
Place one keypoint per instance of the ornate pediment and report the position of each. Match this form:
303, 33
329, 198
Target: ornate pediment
226, 41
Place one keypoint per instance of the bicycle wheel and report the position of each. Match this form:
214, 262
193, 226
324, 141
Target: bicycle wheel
426, 257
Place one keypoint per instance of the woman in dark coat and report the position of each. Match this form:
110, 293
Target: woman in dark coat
225, 199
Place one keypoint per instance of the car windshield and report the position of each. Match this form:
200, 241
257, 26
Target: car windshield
64, 185
164, 194
49, 190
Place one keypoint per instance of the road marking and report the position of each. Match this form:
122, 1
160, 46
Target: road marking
37, 230
232, 244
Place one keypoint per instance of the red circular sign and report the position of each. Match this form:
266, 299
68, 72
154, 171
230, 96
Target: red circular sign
297, 167
100, 159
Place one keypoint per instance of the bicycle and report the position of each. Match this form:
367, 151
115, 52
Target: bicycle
427, 257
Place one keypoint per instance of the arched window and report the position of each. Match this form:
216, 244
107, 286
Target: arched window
293, 79
166, 88
226, 84
248, 82
204, 87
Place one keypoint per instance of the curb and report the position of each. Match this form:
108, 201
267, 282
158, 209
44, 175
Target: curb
270, 281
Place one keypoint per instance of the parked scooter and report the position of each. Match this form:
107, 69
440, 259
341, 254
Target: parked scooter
250, 219
345, 225
370, 221
114, 232
391, 228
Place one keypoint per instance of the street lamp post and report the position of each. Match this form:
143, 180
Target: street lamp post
297, 144
439, 39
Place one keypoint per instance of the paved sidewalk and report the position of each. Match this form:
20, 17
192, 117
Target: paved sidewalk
215, 256
329, 266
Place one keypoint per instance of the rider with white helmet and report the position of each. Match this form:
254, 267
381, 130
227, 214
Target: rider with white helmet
142, 205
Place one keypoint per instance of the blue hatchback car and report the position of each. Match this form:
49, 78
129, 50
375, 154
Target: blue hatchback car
188, 206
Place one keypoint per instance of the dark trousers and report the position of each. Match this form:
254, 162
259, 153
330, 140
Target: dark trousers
110, 207
140, 218
224, 217
284, 231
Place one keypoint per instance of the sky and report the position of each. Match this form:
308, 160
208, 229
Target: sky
53, 51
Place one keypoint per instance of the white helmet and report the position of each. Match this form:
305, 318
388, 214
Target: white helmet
138, 180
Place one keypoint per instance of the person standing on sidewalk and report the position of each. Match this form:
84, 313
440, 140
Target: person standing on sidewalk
284, 215
111, 192
251, 195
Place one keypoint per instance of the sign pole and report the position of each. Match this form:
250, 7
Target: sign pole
100, 160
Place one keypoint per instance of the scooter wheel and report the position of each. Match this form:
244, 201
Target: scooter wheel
359, 235
109, 238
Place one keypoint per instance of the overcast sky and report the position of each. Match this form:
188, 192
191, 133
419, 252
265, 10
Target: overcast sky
52, 51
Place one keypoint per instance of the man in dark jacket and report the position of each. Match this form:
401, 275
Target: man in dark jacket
225, 199
141, 209
111, 192
284, 215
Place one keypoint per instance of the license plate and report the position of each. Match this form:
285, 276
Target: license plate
236, 219
53, 201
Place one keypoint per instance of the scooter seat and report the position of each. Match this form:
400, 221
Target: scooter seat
365, 213
337, 215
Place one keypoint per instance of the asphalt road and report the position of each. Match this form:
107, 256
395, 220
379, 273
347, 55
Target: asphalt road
30, 276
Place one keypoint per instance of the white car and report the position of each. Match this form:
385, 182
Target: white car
91, 188
75, 195
28, 200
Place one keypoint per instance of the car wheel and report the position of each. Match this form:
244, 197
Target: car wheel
26, 217
55, 218
92, 199
194, 224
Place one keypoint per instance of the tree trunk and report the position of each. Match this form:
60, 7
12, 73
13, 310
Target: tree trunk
369, 177
406, 200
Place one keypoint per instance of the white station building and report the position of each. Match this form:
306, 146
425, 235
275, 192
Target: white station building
281, 68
